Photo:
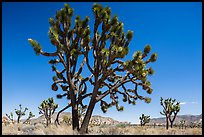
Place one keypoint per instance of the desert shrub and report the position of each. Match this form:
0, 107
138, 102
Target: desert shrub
121, 125
67, 120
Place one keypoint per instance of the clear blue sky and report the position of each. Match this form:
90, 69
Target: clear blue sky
174, 31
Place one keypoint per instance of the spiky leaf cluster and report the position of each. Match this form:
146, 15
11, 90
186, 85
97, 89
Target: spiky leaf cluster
36, 46
112, 30
48, 105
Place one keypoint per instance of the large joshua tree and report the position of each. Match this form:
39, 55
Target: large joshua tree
102, 55
170, 110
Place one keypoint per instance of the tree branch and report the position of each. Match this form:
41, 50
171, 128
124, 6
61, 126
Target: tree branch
48, 54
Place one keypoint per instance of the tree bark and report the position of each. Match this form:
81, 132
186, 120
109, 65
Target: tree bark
47, 122
171, 123
18, 120
85, 123
167, 122
75, 119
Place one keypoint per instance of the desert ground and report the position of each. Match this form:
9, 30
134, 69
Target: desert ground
63, 129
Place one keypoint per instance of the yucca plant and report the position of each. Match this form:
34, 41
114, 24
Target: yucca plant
20, 112
144, 119
47, 108
170, 110
10, 117
31, 115
109, 72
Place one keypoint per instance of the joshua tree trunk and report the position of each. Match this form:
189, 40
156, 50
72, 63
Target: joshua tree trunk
167, 122
75, 118
85, 123
172, 120
47, 122
18, 120
171, 123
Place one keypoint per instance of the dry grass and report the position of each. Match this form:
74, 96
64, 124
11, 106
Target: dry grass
39, 129
63, 129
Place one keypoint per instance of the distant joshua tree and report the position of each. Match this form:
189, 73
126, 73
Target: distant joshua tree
144, 119
29, 117
169, 108
182, 123
20, 113
47, 108
10, 117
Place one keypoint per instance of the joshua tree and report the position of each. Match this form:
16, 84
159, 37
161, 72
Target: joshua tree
192, 125
108, 73
182, 123
144, 119
20, 113
10, 117
29, 117
169, 108
47, 108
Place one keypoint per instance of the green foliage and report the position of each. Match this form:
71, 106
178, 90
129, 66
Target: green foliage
149, 91
20, 112
150, 71
137, 55
148, 100
147, 49
51, 21
120, 108
129, 35
109, 46
153, 57
54, 78
47, 108
170, 109
121, 125
144, 119
36, 46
